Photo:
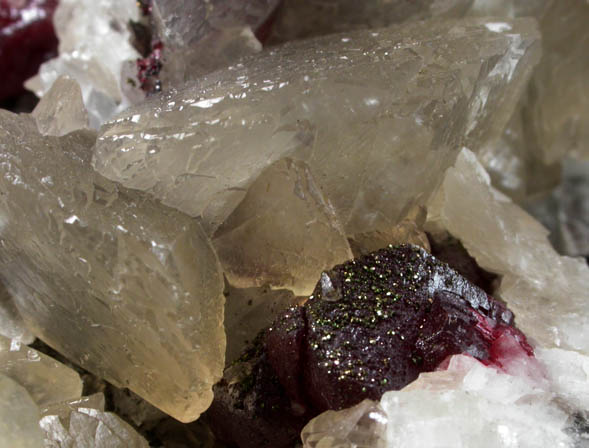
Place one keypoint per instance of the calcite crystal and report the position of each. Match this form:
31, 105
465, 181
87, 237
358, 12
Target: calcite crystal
45, 379
19, 417
466, 405
61, 110
94, 44
12, 325
405, 98
304, 18
202, 35
284, 233
126, 288
87, 427
548, 292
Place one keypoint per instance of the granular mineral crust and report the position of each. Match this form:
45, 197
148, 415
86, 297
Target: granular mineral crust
119, 284
373, 324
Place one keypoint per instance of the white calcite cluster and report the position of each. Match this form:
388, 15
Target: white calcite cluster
466, 405
94, 44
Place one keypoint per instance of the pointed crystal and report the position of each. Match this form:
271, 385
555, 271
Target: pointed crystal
404, 103
126, 288
45, 379
61, 110
87, 427
284, 233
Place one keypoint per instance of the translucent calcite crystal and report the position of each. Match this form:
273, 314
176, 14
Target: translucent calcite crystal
46, 380
361, 426
547, 292
126, 288
284, 233
376, 114
87, 427
467, 405
61, 110
12, 325
304, 18
557, 114
94, 44
202, 35
64, 408
19, 417
553, 116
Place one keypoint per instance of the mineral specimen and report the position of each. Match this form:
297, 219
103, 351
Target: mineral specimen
405, 98
61, 110
283, 233
26, 40
19, 417
11, 323
304, 18
87, 427
46, 380
202, 35
94, 43
372, 325
126, 288
467, 405
505, 240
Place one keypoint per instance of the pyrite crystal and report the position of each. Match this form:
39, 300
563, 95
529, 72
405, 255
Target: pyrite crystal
123, 286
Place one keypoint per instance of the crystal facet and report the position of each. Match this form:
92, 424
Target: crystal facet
61, 110
19, 417
283, 233
126, 288
45, 379
404, 103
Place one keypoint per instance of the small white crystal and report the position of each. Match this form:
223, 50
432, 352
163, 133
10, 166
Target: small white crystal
12, 325
93, 45
61, 110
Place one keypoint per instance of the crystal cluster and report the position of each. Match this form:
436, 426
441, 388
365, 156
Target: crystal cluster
94, 44
125, 287
197, 172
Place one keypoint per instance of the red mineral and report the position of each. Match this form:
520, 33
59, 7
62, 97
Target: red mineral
27, 39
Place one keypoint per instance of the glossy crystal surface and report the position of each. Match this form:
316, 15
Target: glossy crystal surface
406, 97
119, 284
